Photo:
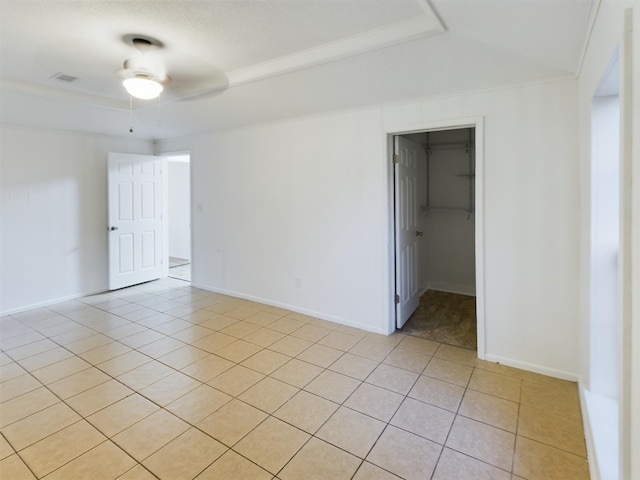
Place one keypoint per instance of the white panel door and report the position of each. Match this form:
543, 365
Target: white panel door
135, 219
406, 225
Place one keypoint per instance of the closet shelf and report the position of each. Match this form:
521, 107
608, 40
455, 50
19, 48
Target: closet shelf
468, 147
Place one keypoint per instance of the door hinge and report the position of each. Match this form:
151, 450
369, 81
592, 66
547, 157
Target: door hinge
396, 158
397, 299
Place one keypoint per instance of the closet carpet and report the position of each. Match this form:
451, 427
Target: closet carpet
446, 318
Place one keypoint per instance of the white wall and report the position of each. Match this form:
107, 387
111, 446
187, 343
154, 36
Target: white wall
309, 199
179, 208
530, 200
449, 249
296, 200
53, 216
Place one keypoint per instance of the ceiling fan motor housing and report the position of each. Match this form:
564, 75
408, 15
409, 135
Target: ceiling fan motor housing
146, 63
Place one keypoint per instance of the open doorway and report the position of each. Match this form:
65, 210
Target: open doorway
437, 221
444, 206
178, 198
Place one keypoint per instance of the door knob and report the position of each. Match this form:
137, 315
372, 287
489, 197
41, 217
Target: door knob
113, 228
418, 233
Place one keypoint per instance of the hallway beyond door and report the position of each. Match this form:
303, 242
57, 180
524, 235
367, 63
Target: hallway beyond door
180, 269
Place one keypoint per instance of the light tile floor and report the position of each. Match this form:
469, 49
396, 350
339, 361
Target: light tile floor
167, 381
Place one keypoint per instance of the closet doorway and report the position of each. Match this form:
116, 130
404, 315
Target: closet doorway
178, 212
437, 235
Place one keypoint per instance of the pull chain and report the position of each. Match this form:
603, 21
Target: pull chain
130, 113
158, 111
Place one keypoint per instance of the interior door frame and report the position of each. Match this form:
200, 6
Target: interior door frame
449, 124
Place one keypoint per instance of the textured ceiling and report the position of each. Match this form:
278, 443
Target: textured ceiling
202, 40
238, 62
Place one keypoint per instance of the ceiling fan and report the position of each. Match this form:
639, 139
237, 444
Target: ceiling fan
144, 73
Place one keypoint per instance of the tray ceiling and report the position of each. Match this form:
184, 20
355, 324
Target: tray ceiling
343, 53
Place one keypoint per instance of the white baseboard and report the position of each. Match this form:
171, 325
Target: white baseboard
293, 308
459, 288
532, 367
49, 302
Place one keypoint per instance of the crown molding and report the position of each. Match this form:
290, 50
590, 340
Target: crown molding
389, 35
589, 23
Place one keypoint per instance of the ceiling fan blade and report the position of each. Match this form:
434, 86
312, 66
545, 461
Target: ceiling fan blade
196, 86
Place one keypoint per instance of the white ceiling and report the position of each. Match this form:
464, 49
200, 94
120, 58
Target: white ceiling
239, 62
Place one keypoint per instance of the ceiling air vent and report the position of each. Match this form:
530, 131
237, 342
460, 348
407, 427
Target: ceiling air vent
63, 77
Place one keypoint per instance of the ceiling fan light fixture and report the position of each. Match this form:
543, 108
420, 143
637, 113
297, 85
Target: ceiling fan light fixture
144, 88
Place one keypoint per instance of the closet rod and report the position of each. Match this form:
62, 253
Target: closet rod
449, 210
448, 146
